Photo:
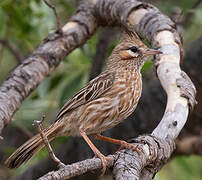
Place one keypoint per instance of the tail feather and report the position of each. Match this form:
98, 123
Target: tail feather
32, 146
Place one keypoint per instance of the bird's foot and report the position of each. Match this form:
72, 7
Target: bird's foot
123, 144
97, 153
104, 160
126, 145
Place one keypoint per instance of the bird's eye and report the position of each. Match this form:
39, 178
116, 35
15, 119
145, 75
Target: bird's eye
133, 49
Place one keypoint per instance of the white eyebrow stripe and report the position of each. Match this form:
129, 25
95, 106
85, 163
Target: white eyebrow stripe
132, 53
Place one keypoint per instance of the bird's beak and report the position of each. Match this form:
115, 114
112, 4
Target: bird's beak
149, 52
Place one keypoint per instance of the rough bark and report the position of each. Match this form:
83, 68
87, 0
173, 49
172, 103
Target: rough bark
46, 57
149, 23
144, 120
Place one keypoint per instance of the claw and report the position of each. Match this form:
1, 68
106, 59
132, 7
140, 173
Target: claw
104, 160
126, 145
96, 152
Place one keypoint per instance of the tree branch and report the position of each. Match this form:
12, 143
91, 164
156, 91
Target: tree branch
147, 21
142, 121
78, 168
160, 31
59, 26
46, 57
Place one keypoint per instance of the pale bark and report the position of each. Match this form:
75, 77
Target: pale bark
149, 23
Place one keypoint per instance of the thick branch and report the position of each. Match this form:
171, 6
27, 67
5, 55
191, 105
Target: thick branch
161, 33
144, 119
130, 168
46, 57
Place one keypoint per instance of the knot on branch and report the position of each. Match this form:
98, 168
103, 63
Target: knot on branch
160, 151
154, 154
52, 37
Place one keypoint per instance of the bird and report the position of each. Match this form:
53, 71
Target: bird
101, 104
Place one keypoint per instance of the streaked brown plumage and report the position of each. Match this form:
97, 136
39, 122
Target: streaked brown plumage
101, 104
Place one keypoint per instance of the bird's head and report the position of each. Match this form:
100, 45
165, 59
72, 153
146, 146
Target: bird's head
131, 50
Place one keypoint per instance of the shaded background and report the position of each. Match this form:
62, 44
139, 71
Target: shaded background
24, 24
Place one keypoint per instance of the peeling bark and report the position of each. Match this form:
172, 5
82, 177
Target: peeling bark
149, 23
140, 122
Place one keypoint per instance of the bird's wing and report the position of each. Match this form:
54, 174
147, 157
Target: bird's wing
94, 89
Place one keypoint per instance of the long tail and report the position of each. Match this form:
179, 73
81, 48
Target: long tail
32, 146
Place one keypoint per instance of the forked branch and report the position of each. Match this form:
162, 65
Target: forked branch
149, 23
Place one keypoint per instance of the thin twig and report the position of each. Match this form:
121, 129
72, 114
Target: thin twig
151, 149
39, 127
177, 109
59, 26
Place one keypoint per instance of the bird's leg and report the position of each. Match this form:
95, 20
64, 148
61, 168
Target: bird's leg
97, 153
122, 143
39, 127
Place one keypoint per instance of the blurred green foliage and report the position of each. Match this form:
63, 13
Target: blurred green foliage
25, 24
182, 168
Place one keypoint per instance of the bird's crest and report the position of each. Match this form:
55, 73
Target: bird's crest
131, 36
